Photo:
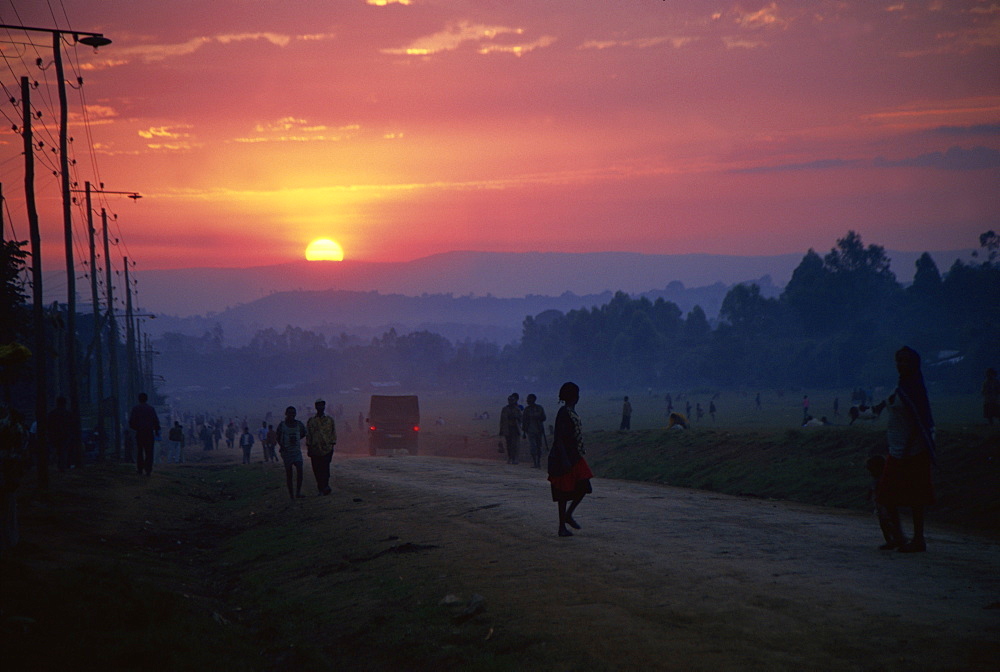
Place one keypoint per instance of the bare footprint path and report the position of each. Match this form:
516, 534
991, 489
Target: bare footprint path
667, 578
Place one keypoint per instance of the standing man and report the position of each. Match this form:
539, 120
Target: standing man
626, 416
510, 428
176, 438
145, 423
533, 424
321, 437
246, 444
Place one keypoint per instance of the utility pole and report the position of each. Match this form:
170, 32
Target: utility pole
37, 309
129, 344
112, 342
96, 348
74, 386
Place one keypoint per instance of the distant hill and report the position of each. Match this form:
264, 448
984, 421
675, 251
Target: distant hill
197, 291
457, 318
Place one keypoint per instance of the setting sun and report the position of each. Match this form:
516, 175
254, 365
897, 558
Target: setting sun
324, 249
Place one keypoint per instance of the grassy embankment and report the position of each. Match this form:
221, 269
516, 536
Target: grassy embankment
821, 465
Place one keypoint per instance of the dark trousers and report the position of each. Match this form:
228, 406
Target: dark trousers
144, 453
321, 469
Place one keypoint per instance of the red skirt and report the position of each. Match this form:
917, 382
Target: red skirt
907, 481
572, 485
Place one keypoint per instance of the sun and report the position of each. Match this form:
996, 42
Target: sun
324, 249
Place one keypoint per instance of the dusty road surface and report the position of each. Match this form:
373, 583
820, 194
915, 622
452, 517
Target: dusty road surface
674, 579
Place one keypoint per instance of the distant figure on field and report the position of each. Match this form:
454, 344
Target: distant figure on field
145, 423
262, 437
289, 433
711, 410
176, 438
756, 401
805, 408
991, 396
626, 415
569, 474
269, 444
670, 404
836, 407
906, 480
677, 421
699, 411
59, 432
533, 424
246, 444
510, 428
230, 434
687, 408
321, 438
876, 466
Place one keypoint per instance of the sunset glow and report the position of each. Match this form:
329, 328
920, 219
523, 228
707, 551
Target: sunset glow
324, 249
413, 127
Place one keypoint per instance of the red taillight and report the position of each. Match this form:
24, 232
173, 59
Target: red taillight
416, 428
372, 428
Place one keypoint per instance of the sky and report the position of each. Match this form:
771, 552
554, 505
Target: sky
405, 128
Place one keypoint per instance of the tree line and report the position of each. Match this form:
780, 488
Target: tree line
836, 324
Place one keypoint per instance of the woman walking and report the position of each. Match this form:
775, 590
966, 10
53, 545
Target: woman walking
906, 479
569, 474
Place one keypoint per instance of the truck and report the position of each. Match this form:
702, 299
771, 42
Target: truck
393, 424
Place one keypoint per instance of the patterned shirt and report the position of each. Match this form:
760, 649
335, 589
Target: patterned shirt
321, 435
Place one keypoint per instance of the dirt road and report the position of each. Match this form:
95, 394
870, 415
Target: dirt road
666, 578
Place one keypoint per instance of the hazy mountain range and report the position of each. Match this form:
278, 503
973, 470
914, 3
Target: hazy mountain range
459, 295
194, 291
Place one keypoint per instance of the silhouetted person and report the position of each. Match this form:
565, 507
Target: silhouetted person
533, 424
906, 480
756, 401
290, 432
60, 433
246, 444
176, 438
510, 428
991, 396
321, 438
569, 474
711, 410
145, 423
626, 423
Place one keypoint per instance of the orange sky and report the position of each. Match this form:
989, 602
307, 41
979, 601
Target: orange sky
405, 128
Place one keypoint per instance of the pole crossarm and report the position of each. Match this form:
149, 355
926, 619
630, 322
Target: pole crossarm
90, 39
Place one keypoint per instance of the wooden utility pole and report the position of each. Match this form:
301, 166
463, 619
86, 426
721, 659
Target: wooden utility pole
38, 311
129, 342
96, 346
112, 342
72, 382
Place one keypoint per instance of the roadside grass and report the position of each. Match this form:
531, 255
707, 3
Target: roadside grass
822, 465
